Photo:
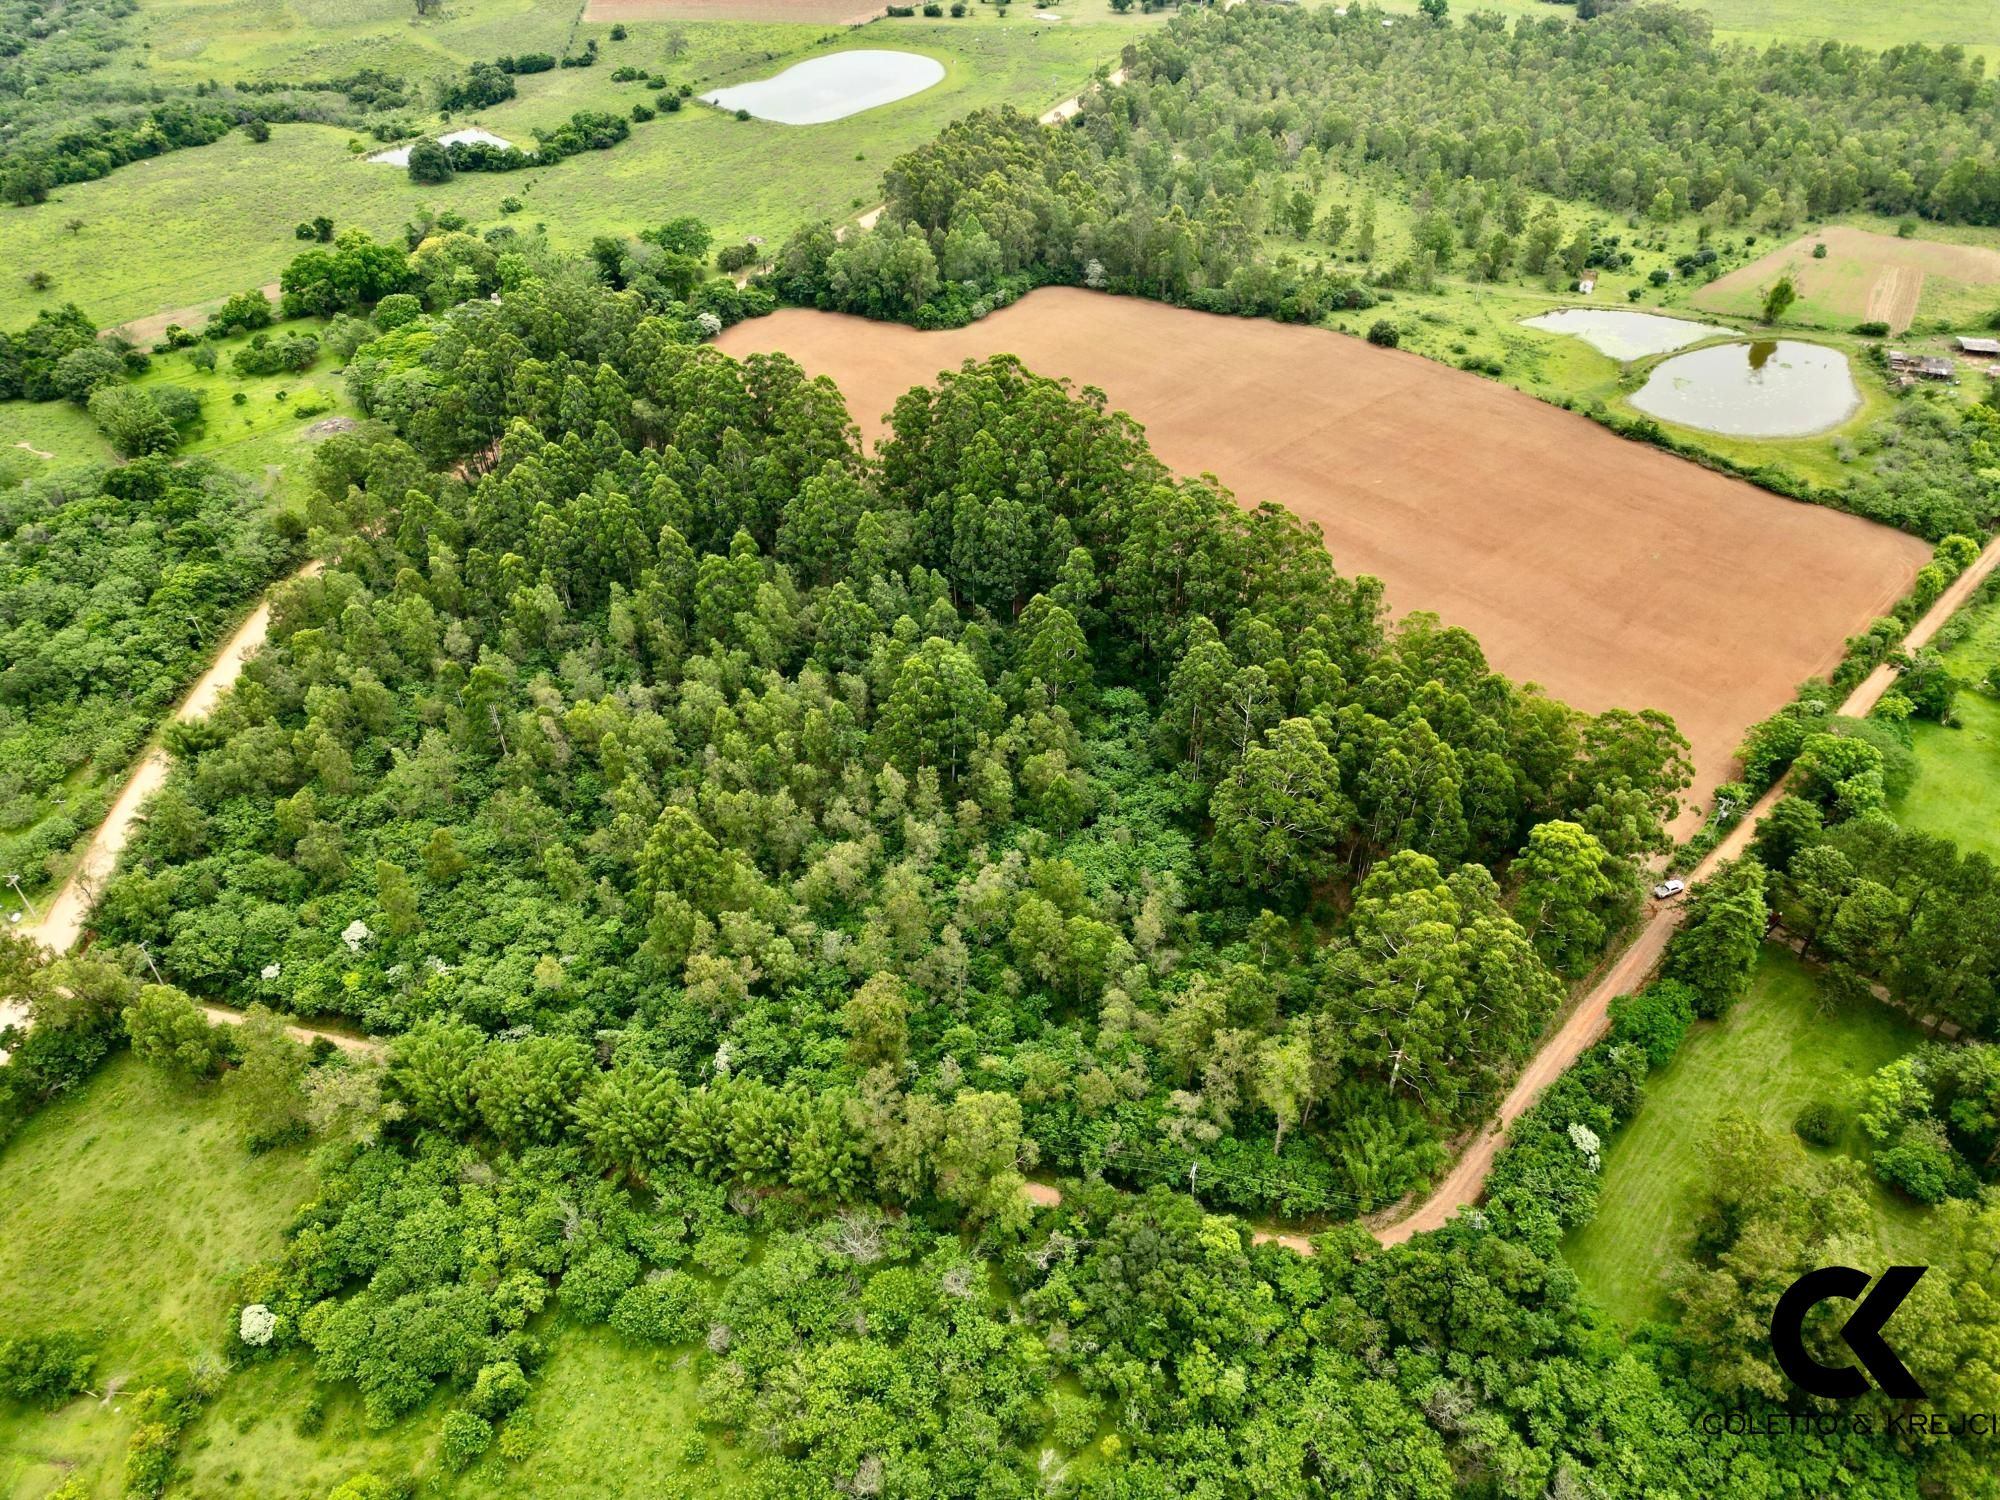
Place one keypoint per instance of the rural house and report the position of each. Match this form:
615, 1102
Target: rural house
1988, 348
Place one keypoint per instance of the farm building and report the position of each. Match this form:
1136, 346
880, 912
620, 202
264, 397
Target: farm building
1986, 347
1924, 366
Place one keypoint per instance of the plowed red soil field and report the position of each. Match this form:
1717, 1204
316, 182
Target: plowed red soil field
1612, 573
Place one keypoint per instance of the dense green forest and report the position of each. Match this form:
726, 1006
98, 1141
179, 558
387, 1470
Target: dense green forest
1227, 125
114, 592
762, 856
759, 857
1006, 762
733, 830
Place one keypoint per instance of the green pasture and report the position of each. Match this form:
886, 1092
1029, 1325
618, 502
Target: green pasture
1972, 24
1463, 320
605, 1418
1773, 1054
185, 230
1957, 790
131, 1207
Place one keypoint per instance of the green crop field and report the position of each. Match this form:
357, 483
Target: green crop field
1957, 790
230, 208
131, 1208
1772, 1055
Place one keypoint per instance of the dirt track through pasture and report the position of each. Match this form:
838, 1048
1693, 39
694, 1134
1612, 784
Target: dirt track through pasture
1894, 296
1611, 573
1840, 281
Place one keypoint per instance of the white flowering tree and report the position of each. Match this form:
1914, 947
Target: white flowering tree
256, 1325
1585, 1140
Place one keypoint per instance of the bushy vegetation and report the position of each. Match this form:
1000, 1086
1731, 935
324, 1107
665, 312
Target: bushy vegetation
114, 593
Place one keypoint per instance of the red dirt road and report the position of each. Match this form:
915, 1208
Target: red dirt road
1584, 1025
1613, 574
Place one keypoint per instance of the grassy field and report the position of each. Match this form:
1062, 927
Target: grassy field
229, 208
590, 1398
129, 1209
1772, 1055
261, 436
1972, 24
1462, 319
1957, 790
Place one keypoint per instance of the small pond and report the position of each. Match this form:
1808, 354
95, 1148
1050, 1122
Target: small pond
1772, 388
831, 87
400, 157
1624, 335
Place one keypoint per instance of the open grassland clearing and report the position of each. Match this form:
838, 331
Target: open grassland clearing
1866, 277
1971, 24
1474, 323
1957, 790
131, 1207
606, 1418
266, 436
1777, 1051
1613, 574
229, 209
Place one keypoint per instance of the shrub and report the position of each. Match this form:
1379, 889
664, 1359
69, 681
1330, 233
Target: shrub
1819, 1124
430, 162
246, 312
466, 1436
1920, 1167
45, 1369
641, 113
1655, 1020
264, 355
511, 205
667, 1308
594, 1283
1873, 329
396, 310
500, 1388
1384, 334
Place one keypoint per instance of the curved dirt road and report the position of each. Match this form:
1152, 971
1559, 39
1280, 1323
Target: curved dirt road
62, 923
1587, 1022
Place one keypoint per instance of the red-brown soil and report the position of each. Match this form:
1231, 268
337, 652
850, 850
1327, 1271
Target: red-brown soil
1612, 573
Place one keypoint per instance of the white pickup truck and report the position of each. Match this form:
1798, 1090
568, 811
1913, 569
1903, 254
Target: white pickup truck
1666, 890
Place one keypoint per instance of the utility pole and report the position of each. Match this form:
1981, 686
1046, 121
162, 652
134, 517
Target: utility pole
15, 881
157, 978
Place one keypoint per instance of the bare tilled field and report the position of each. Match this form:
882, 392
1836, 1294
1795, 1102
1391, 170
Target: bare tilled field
802, 12
1614, 574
